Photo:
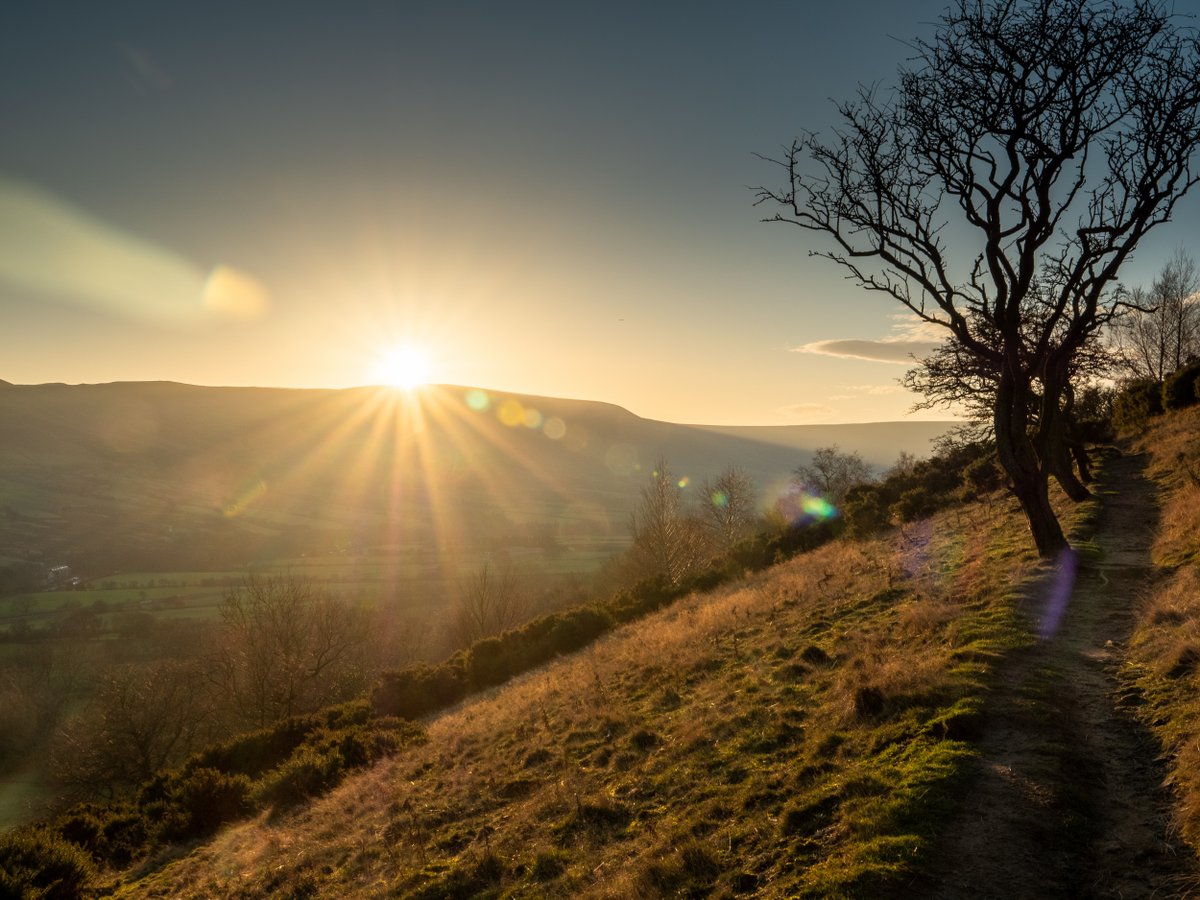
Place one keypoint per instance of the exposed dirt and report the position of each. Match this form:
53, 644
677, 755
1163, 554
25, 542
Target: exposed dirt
1066, 799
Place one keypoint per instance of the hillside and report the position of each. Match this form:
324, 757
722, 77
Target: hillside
159, 476
913, 716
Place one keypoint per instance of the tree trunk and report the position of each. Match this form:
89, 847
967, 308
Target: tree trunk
1064, 473
1050, 440
1030, 481
1082, 462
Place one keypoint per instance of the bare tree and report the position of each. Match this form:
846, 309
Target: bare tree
951, 376
287, 649
489, 601
1162, 332
832, 473
142, 718
1037, 141
728, 507
667, 542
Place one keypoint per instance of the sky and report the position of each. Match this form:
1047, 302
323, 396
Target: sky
550, 198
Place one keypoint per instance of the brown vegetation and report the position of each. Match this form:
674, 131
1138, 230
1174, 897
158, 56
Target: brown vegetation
1164, 656
795, 733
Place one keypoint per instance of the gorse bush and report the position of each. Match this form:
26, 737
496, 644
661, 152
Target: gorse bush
981, 477
307, 772
1179, 388
201, 801
115, 833
274, 767
1135, 403
37, 863
921, 488
422, 689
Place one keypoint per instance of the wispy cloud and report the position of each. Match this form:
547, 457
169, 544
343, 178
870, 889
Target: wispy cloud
911, 338
887, 350
876, 390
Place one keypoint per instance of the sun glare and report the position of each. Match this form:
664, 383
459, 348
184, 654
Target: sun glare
403, 366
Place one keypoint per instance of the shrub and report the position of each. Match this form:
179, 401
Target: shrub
113, 833
419, 690
914, 504
258, 751
576, 628
1179, 388
39, 863
309, 772
202, 800
1136, 403
865, 510
940, 475
981, 477
488, 663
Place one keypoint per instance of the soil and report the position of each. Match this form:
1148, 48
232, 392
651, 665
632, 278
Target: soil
1066, 798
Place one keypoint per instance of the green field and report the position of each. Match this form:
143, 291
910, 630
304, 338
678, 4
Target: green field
418, 583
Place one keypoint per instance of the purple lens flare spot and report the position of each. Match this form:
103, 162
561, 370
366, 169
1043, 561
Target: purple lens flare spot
1062, 585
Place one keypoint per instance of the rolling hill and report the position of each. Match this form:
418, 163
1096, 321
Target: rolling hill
155, 476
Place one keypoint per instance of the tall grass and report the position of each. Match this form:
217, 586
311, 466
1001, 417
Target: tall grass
1163, 664
798, 733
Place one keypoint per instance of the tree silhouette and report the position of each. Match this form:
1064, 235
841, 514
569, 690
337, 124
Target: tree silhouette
998, 189
1163, 333
832, 473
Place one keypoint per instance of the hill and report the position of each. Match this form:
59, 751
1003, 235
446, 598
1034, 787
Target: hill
928, 714
160, 476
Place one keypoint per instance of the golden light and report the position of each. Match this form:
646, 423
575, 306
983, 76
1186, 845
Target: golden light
404, 366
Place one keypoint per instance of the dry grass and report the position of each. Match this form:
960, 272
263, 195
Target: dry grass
1164, 656
795, 734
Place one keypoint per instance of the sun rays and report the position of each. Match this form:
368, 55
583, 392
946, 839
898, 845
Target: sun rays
413, 470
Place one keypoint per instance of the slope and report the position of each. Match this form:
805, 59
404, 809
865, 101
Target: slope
804, 732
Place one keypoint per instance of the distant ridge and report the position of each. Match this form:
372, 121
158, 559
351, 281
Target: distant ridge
130, 475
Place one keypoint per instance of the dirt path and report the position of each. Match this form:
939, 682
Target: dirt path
1066, 798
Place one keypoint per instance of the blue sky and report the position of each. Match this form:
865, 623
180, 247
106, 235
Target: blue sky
552, 198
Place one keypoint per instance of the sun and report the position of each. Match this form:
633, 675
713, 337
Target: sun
404, 366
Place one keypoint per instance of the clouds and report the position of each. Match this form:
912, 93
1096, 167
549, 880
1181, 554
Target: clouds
888, 350
911, 339
869, 390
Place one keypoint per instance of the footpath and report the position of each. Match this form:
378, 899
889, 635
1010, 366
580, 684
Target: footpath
1066, 797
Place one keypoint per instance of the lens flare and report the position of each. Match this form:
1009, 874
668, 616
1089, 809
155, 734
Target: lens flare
236, 294
799, 506
1062, 585
818, 507
555, 428
511, 413
244, 499
478, 400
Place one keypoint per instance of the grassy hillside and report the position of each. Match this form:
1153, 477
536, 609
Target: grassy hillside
1162, 670
801, 733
